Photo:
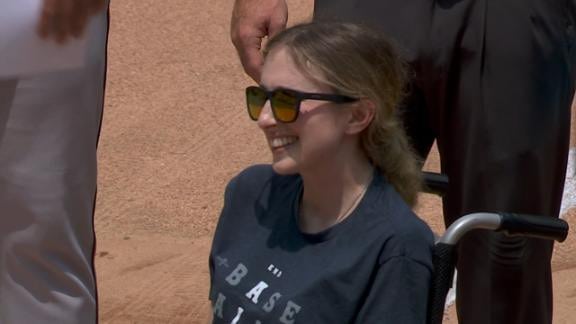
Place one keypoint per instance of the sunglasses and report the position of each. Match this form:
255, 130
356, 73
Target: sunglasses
285, 103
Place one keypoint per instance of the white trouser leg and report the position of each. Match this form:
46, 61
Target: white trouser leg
49, 127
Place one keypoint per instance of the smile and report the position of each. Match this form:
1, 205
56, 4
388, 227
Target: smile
282, 141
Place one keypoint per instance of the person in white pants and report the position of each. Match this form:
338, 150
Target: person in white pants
49, 127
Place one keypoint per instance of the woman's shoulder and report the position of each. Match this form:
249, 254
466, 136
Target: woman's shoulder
256, 177
255, 173
411, 230
406, 234
250, 177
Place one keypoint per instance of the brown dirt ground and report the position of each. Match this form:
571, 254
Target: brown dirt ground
174, 132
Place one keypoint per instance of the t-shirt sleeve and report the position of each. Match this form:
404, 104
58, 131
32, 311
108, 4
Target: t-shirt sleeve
398, 294
240, 190
218, 232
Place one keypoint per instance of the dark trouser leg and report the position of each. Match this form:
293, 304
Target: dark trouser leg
505, 94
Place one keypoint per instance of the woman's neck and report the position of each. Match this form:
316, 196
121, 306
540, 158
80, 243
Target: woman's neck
331, 194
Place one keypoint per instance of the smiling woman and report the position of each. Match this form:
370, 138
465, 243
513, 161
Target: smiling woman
325, 234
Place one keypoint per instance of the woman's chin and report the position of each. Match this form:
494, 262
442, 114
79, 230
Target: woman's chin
284, 167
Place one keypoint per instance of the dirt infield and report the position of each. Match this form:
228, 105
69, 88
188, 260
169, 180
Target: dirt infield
174, 131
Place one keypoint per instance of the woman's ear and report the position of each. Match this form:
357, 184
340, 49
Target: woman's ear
361, 115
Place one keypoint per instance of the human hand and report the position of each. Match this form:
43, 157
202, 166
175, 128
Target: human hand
61, 20
252, 20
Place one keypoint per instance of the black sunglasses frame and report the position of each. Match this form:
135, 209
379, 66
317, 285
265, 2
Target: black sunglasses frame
299, 96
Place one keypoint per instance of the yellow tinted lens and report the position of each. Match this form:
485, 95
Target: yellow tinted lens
255, 98
284, 105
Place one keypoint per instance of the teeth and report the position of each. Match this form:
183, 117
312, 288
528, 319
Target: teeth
282, 141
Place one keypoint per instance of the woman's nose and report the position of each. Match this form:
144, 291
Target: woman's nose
266, 118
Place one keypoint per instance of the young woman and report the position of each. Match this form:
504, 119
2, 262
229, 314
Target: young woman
325, 234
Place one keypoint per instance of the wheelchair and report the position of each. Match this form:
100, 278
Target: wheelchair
444, 255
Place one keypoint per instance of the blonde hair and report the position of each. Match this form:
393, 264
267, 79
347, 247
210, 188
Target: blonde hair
359, 62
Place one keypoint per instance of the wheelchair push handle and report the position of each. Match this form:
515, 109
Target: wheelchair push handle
435, 183
549, 228
444, 257
512, 224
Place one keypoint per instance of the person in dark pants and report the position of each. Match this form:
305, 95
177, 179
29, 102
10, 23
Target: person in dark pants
493, 85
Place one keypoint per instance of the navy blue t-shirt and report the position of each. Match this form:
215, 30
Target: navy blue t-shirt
373, 267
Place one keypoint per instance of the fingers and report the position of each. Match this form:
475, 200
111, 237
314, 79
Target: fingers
251, 57
59, 20
50, 15
278, 20
252, 21
248, 40
62, 20
95, 6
